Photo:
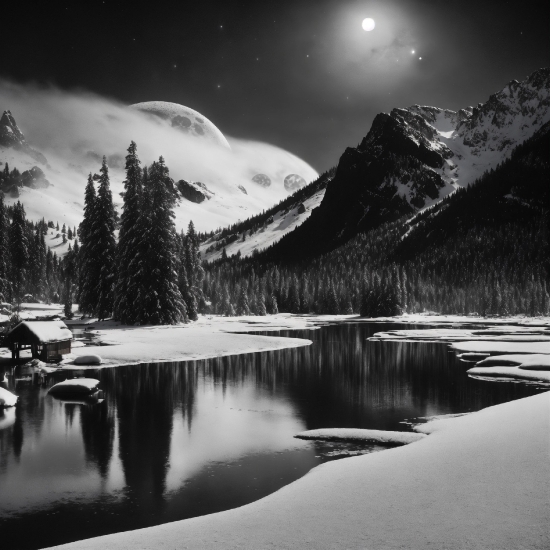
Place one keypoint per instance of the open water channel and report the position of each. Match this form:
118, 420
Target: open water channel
176, 440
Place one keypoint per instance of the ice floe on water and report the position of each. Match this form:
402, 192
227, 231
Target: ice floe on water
498, 334
499, 351
534, 367
356, 434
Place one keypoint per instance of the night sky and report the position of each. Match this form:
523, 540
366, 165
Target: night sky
301, 74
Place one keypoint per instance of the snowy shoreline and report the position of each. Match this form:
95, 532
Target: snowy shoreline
481, 480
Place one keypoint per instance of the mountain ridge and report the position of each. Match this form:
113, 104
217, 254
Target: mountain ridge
413, 158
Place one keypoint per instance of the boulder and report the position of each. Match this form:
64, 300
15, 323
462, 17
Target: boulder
195, 192
34, 178
75, 386
88, 360
7, 399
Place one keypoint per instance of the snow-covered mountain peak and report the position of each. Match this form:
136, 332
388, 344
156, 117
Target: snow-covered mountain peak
10, 134
509, 117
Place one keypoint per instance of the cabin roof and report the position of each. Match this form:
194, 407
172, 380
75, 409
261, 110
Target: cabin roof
44, 331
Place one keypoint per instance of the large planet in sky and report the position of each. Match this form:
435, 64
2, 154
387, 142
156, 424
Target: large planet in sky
185, 119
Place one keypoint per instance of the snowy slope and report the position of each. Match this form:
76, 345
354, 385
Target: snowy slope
260, 232
281, 223
413, 158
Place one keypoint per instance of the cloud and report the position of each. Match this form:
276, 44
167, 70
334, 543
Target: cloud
74, 129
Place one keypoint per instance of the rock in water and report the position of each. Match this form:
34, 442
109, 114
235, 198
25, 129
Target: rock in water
7, 399
75, 386
88, 360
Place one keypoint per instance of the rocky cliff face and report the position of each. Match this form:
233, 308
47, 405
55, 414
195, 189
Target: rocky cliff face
12, 137
412, 158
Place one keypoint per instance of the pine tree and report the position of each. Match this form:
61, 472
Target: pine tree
19, 252
226, 308
332, 301
293, 302
4, 251
125, 307
102, 246
195, 272
88, 267
69, 273
161, 300
242, 302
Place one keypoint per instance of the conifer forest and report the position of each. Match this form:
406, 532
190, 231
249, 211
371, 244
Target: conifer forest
137, 269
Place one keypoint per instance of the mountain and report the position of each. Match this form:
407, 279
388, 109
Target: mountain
413, 158
214, 186
12, 137
515, 194
256, 233
483, 249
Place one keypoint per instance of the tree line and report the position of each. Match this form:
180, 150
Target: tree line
28, 267
477, 252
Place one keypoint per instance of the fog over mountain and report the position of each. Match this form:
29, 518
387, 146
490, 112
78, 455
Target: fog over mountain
72, 130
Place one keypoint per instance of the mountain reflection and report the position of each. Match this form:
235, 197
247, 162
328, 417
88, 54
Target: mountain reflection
175, 440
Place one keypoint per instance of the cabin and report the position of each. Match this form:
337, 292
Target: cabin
47, 340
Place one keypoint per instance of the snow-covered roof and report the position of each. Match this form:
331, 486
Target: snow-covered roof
45, 331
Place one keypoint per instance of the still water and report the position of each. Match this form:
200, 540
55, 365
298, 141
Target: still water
171, 441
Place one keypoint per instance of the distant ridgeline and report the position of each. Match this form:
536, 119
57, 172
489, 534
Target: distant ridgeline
483, 249
435, 210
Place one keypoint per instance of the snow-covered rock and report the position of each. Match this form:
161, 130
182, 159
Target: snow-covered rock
91, 359
356, 434
74, 386
7, 399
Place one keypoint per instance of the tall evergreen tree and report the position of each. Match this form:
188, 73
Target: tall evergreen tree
161, 300
125, 307
19, 252
102, 247
242, 302
88, 267
4, 251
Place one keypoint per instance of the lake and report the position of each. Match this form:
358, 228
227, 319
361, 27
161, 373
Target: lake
170, 441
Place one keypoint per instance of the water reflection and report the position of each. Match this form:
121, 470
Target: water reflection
175, 440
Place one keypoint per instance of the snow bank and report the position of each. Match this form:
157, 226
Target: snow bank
484, 346
535, 367
437, 319
478, 481
7, 399
76, 385
493, 334
209, 337
355, 434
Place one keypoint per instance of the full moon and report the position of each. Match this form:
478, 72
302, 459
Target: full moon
368, 24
